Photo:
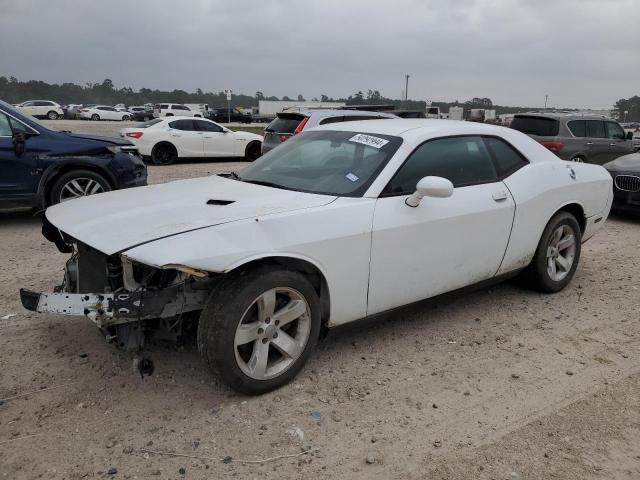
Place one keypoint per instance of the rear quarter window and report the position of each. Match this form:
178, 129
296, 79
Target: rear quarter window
541, 126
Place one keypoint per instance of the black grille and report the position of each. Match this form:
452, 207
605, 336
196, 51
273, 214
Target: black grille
627, 183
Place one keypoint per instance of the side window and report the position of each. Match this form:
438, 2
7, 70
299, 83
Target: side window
184, 125
5, 128
506, 158
462, 160
27, 104
595, 129
614, 131
578, 128
179, 107
164, 107
17, 126
207, 126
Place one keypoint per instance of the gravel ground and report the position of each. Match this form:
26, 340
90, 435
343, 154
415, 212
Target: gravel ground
502, 383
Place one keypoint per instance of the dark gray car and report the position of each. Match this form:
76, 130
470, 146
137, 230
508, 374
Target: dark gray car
287, 124
580, 138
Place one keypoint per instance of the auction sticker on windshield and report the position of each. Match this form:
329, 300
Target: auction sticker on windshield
369, 140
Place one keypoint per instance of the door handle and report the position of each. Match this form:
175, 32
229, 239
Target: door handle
207, 137
589, 143
499, 196
612, 144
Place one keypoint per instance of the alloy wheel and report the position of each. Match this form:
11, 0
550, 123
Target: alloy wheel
79, 187
272, 333
561, 251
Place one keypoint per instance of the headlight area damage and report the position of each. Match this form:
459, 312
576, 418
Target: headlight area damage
125, 299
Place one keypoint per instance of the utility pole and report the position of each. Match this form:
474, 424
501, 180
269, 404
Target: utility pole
406, 87
228, 91
546, 97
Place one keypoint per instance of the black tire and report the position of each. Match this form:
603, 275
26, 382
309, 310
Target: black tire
164, 154
57, 194
52, 115
169, 115
224, 311
253, 151
579, 159
95, 117
126, 118
537, 274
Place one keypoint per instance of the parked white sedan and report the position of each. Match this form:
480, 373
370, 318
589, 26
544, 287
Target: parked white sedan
104, 112
165, 140
340, 222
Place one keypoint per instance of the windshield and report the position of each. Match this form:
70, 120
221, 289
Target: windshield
324, 162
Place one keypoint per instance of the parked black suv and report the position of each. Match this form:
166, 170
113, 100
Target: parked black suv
41, 167
221, 115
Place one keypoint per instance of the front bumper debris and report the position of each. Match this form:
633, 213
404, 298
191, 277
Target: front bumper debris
97, 307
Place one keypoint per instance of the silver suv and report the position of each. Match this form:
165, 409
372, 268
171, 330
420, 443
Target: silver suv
290, 123
580, 138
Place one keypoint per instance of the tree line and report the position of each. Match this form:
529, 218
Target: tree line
13, 90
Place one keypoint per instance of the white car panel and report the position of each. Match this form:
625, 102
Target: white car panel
441, 245
148, 213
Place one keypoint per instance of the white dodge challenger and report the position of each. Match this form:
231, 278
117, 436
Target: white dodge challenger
165, 140
339, 223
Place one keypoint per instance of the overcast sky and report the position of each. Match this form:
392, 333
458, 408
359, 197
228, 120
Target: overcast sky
579, 52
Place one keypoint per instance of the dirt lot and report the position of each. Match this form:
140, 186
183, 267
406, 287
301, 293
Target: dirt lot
498, 384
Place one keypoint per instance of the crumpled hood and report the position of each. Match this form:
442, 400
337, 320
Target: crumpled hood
626, 163
116, 221
100, 139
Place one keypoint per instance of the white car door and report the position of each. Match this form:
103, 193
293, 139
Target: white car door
217, 141
444, 243
29, 108
187, 139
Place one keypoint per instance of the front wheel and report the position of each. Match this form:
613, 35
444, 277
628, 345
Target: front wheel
557, 255
76, 184
258, 328
253, 151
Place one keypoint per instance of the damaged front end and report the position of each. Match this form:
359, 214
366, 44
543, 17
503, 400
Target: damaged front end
124, 298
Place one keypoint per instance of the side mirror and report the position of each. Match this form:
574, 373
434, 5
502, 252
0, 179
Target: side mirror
19, 139
629, 136
437, 187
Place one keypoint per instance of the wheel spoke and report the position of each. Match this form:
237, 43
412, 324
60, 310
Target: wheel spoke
287, 345
551, 268
556, 237
266, 304
75, 188
563, 263
291, 311
566, 242
246, 333
258, 362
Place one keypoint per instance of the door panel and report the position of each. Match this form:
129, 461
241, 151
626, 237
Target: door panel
187, 140
19, 176
441, 245
218, 144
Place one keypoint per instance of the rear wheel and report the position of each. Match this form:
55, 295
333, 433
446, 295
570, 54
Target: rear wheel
579, 159
164, 154
258, 328
253, 151
126, 118
95, 116
557, 255
76, 184
52, 115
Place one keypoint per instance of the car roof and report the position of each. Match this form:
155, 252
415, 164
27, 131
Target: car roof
414, 131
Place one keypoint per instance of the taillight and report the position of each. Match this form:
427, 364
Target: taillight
134, 134
283, 138
301, 125
555, 147
84, 110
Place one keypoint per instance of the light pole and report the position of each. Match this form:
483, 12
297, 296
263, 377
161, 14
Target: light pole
546, 97
228, 92
625, 116
406, 87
